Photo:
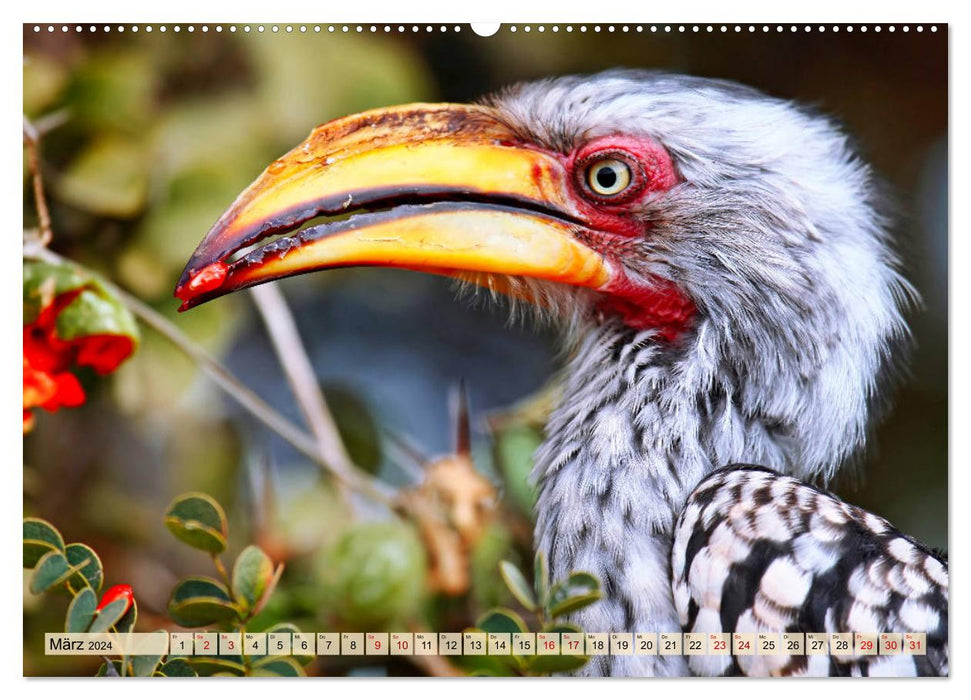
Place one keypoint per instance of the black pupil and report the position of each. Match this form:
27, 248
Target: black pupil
607, 177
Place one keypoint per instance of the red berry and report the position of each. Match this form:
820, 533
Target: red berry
120, 592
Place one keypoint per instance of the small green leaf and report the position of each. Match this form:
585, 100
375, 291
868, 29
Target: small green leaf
556, 664
40, 537
284, 666
144, 666
127, 621
108, 616
200, 601
44, 282
176, 668
541, 579
80, 612
199, 521
112, 669
51, 569
213, 665
90, 572
501, 620
517, 585
575, 603
576, 591
96, 312
252, 575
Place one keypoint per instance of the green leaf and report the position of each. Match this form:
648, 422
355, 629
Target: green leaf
200, 601
555, 664
284, 666
111, 669
109, 616
501, 620
576, 591
176, 668
517, 585
44, 282
109, 178
513, 448
199, 521
40, 537
212, 665
252, 575
90, 572
541, 579
52, 569
80, 612
127, 621
96, 312
144, 666
574, 603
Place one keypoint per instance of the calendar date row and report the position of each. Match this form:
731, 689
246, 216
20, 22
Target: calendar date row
474, 643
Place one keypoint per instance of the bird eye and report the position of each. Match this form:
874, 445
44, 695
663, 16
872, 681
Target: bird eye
608, 177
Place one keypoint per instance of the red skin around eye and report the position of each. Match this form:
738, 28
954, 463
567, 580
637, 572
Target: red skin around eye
661, 305
651, 171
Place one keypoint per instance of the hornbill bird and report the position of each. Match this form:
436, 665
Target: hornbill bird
719, 265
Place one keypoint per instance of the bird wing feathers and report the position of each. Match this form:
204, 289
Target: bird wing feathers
756, 551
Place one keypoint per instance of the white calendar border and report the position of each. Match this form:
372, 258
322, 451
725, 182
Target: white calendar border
509, 10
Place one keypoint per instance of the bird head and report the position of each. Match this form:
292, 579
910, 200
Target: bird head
737, 231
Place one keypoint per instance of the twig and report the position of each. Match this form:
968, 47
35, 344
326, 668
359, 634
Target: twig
230, 384
32, 142
290, 352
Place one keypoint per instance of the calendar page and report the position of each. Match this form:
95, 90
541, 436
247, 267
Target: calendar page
461, 350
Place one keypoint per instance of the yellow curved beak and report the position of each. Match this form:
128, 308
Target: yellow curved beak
446, 189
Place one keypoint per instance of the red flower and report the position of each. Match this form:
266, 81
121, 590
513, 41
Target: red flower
48, 381
119, 592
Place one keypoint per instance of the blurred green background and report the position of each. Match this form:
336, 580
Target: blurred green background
162, 131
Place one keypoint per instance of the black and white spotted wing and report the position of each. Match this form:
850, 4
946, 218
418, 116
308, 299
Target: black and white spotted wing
756, 551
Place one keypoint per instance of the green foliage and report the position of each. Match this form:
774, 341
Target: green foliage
253, 574
547, 603
94, 311
81, 611
176, 668
513, 449
199, 521
112, 616
51, 570
230, 603
375, 574
40, 537
518, 585
90, 572
199, 601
